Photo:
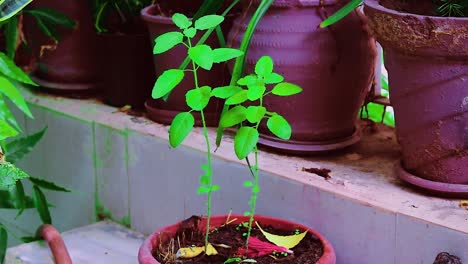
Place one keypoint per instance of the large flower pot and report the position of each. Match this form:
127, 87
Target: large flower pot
427, 62
164, 111
334, 66
71, 64
145, 254
127, 68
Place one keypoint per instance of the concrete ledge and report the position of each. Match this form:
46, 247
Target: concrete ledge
124, 165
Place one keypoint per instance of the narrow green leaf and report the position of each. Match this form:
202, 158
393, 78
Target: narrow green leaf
225, 54
198, 99
40, 202
190, 32
10, 174
209, 21
18, 197
44, 184
245, 141
10, 8
10, 91
233, 116
3, 243
286, 89
264, 66
202, 55
341, 13
6, 115
256, 91
181, 21
181, 126
10, 70
29, 239
166, 82
279, 127
11, 36
273, 78
225, 91
237, 98
255, 113
6, 130
20, 147
167, 41
53, 17
47, 28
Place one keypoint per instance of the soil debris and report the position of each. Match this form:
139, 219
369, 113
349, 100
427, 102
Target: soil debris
446, 258
322, 172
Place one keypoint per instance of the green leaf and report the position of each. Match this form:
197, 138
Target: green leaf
286, 89
52, 17
248, 184
256, 91
264, 66
18, 197
256, 189
225, 91
247, 80
20, 147
190, 32
40, 202
245, 141
225, 54
29, 239
11, 36
214, 188
6, 115
273, 78
209, 21
9, 8
6, 130
233, 116
203, 189
47, 29
10, 174
237, 98
10, 91
341, 13
181, 21
10, 70
255, 113
44, 184
279, 127
204, 179
3, 243
166, 82
167, 41
198, 98
181, 126
202, 55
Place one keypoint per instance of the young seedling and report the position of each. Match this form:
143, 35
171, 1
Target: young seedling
202, 56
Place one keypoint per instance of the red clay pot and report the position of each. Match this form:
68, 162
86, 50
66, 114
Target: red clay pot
72, 64
127, 69
427, 62
334, 66
164, 111
145, 254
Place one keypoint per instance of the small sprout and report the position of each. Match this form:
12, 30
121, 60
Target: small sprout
297, 232
244, 234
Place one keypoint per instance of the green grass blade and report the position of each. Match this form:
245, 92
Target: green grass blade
340, 14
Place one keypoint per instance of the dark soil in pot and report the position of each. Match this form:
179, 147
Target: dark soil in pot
427, 62
312, 249
164, 111
334, 66
71, 64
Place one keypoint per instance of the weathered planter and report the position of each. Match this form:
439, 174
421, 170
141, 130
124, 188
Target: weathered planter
334, 66
71, 64
145, 254
427, 62
128, 69
164, 111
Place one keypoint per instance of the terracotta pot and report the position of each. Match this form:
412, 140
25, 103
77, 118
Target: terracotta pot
71, 65
427, 62
145, 254
164, 111
127, 69
334, 66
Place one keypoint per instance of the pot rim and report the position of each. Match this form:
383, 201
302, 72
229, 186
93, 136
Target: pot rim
148, 17
375, 4
145, 255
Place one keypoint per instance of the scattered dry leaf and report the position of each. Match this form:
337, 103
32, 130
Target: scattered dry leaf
189, 252
210, 250
322, 172
464, 204
283, 241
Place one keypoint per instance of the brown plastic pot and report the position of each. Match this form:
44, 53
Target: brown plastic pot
427, 62
150, 245
127, 69
164, 111
334, 66
71, 64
